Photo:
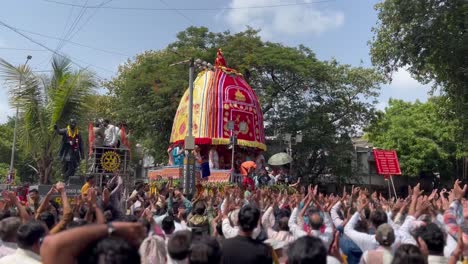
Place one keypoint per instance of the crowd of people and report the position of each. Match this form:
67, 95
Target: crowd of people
231, 225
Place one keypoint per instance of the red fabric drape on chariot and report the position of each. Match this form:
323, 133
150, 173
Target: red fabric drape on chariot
90, 138
124, 140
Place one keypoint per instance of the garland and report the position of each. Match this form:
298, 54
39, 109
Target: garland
71, 134
210, 187
72, 139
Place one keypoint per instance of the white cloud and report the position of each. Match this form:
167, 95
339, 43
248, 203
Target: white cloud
289, 20
404, 87
402, 80
5, 109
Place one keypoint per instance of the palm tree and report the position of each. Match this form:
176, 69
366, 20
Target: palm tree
44, 101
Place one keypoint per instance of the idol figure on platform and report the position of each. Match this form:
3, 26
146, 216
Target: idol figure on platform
71, 150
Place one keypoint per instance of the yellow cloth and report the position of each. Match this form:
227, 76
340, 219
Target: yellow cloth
84, 189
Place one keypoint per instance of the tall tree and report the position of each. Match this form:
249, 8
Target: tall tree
296, 90
429, 39
22, 161
44, 101
424, 135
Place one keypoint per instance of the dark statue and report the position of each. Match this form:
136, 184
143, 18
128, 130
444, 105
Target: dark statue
71, 150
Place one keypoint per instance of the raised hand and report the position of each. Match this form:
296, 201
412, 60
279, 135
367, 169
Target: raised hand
92, 199
60, 186
457, 191
363, 205
11, 197
417, 190
433, 195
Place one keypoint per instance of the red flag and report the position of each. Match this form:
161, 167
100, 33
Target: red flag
90, 138
123, 138
220, 61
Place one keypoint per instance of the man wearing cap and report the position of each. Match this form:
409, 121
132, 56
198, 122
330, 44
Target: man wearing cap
385, 236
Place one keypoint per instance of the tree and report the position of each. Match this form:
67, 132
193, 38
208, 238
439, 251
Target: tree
44, 101
326, 100
423, 134
23, 171
429, 39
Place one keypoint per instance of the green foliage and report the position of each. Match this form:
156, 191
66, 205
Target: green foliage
44, 101
326, 100
429, 38
424, 135
23, 171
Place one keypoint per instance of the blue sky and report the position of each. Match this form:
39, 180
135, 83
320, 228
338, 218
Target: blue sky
333, 29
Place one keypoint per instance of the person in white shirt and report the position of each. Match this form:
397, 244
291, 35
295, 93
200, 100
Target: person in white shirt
317, 220
110, 138
8, 229
283, 234
213, 157
117, 135
29, 237
385, 235
363, 240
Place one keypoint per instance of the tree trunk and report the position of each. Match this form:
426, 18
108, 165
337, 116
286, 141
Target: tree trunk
45, 169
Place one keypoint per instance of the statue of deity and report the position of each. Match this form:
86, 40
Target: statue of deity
71, 149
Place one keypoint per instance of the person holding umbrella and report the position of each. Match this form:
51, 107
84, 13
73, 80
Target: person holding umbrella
279, 160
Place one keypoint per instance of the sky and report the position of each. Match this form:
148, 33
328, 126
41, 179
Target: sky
112, 31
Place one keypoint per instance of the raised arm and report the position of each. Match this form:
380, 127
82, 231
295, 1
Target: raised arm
66, 246
23, 214
363, 241
67, 211
334, 214
451, 214
45, 202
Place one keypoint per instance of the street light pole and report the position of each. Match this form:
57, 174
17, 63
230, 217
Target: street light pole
13, 147
190, 109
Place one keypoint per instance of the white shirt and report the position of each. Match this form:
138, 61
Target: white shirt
437, 260
213, 159
110, 138
337, 221
117, 132
363, 241
298, 231
387, 256
21, 256
230, 232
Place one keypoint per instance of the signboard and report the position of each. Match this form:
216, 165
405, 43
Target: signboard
386, 162
72, 191
188, 176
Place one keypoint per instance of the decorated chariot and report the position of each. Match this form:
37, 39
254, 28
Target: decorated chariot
227, 126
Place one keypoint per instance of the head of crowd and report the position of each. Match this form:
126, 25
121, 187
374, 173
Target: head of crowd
232, 225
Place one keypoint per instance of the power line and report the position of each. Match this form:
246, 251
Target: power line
90, 17
8, 48
72, 27
189, 9
70, 13
51, 50
74, 43
178, 12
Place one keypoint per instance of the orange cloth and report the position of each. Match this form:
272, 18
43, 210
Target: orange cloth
246, 166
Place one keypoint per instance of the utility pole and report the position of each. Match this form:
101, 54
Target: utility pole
13, 147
